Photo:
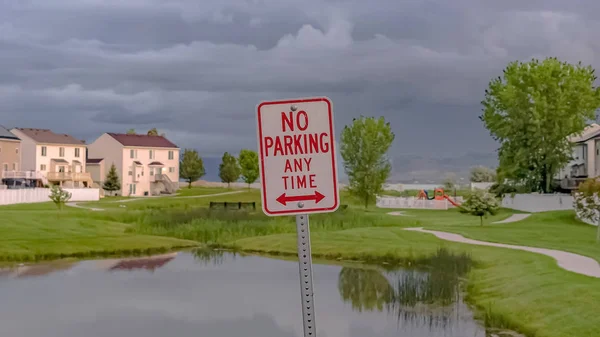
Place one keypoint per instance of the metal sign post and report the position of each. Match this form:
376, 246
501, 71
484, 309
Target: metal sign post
306, 279
298, 173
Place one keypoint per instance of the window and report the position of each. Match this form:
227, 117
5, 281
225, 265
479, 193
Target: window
0, 149
171, 169
171, 155
17, 150
44, 151
5, 167
133, 154
77, 152
130, 173
152, 171
14, 166
151, 154
42, 167
61, 151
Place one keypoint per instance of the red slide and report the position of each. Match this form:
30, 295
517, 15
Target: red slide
451, 201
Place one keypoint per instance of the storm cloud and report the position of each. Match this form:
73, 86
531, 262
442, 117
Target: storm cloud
197, 69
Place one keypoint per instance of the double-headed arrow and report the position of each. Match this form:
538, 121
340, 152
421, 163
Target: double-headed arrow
283, 199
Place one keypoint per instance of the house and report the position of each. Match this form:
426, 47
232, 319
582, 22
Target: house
58, 159
146, 164
585, 162
10, 146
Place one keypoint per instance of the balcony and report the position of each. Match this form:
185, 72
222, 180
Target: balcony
571, 183
21, 175
69, 176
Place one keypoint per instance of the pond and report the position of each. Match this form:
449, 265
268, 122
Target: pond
218, 294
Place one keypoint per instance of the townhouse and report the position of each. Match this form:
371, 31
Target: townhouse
585, 159
10, 156
146, 164
57, 159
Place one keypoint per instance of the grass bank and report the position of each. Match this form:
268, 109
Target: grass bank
514, 290
555, 230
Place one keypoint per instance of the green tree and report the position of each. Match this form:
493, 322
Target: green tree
482, 174
59, 196
191, 167
112, 182
587, 202
152, 132
480, 203
131, 132
229, 169
364, 147
365, 289
248, 160
531, 110
450, 181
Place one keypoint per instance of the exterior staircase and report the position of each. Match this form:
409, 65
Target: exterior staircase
169, 185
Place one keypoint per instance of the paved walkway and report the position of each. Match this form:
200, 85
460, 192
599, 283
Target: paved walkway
74, 204
398, 214
568, 261
514, 218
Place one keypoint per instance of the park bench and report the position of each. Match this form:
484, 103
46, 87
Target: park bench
233, 205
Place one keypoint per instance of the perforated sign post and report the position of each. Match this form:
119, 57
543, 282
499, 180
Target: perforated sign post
298, 172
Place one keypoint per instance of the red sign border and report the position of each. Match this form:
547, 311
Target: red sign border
333, 158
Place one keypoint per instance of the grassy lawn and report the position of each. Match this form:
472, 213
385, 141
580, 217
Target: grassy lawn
39, 231
512, 289
516, 290
556, 230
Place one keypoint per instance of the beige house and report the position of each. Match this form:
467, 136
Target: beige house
585, 160
146, 165
10, 156
57, 159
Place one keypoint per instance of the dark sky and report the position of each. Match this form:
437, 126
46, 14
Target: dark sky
196, 69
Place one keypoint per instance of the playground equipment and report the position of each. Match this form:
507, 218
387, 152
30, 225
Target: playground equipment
438, 194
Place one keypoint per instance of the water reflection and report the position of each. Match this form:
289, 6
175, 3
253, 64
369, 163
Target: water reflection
219, 294
213, 257
149, 263
430, 297
35, 270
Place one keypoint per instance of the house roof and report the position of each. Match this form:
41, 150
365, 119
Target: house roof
138, 163
142, 140
94, 160
5, 134
156, 163
49, 137
59, 160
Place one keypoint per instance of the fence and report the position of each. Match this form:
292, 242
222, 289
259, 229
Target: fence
538, 202
481, 186
392, 202
33, 195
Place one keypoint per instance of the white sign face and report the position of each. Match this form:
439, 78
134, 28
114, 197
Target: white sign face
297, 157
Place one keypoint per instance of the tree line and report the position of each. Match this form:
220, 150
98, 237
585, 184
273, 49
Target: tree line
231, 169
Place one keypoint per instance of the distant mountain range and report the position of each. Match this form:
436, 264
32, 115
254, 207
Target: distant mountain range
405, 168
415, 168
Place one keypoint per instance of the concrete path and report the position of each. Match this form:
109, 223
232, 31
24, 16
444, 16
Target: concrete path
74, 204
398, 214
568, 261
514, 218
